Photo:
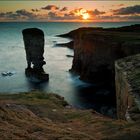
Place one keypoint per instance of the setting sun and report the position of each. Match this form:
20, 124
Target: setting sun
83, 13
85, 16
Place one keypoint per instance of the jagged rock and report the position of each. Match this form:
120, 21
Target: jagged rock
8, 73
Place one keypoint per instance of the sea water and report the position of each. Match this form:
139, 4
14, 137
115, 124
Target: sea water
62, 82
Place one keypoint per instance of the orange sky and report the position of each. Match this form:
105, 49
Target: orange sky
70, 11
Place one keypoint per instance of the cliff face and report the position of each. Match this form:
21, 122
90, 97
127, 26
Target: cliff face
128, 88
95, 52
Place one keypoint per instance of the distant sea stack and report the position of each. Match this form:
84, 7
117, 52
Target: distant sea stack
34, 47
97, 49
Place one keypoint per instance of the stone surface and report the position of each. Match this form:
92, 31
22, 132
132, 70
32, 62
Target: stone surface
128, 88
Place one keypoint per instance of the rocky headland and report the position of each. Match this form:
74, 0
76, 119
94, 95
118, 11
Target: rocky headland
97, 49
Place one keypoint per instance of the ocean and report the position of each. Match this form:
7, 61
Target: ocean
62, 82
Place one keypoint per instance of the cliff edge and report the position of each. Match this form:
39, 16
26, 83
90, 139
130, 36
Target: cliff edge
127, 79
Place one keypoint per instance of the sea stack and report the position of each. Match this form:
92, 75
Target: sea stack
34, 48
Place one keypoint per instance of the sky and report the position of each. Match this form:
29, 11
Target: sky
70, 11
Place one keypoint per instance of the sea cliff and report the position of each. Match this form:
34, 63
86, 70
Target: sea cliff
97, 49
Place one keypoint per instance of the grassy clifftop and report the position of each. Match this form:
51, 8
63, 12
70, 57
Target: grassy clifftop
41, 116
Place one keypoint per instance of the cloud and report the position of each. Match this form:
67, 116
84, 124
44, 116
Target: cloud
71, 16
18, 15
35, 10
135, 17
118, 5
64, 9
9, 15
97, 12
108, 18
25, 13
50, 7
65, 16
127, 10
119, 18
52, 15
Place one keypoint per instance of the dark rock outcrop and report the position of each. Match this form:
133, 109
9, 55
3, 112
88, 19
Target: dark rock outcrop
96, 49
70, 44
34, 47
73, 34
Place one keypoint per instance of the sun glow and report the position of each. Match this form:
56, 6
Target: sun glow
85, 16
83, 13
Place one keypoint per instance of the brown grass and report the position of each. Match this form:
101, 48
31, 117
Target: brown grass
41, 116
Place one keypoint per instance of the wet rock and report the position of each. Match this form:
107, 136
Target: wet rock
36, 75
70, 44
69, 55
8, 73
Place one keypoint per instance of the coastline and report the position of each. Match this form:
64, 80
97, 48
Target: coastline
38, 115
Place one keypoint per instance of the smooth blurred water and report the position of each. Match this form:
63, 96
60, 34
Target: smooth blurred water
12, 58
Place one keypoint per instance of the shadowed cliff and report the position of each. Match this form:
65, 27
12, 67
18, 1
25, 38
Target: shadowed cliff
97, 49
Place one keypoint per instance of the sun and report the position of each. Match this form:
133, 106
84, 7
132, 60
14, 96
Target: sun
83, 13
85, 16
